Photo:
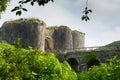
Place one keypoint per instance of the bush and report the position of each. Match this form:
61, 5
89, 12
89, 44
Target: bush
89, 56
103, 72
91, 59
22, 64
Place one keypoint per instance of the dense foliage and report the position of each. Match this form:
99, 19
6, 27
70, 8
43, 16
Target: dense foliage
103, 72
3, 5
91, 59
89, 56
114, 44
21, 64
17, 63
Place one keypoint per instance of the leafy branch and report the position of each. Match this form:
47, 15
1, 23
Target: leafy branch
18, 9
86, 12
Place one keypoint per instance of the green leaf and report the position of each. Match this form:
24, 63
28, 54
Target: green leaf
24, 9
27, 1
34, 0
18, 13
17, 7
83, 17
90, 10
86, 12
21, 2
13, 10
87, 18
32, 3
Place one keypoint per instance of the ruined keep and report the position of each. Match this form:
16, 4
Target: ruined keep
63, 39
78, 39
34, 33
31, 32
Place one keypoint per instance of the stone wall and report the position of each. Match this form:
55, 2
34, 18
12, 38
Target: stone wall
61, 37
64, 38
33, 32
102, 56
30, 31
78, 39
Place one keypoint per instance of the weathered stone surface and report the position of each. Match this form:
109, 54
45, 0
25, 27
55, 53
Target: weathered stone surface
64, 39
102, 56
30, 31
33, 33
78, 39
49, 42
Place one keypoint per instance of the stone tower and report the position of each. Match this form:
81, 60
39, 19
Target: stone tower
31, 32
63, 39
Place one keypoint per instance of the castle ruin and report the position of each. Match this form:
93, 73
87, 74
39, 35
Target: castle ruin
34, 33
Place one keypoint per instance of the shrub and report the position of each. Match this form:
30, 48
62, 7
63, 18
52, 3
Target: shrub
19, 64
103, 72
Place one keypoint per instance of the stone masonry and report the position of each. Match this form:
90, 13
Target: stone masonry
33, 32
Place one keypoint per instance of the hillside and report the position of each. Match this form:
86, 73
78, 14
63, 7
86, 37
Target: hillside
110, 46
113, 44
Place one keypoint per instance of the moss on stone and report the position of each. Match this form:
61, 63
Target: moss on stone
51, 27
30, 19
63, 27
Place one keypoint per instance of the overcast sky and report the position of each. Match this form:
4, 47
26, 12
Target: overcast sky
103, 28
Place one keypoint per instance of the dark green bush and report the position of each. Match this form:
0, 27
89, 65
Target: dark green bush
103, 72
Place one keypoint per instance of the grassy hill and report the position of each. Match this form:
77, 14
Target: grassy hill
113, 44
110, 46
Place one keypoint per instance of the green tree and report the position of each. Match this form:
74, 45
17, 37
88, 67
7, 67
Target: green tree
91, 59
3, 5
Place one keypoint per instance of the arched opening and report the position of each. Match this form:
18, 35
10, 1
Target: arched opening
73, 63
93, 62
48, 44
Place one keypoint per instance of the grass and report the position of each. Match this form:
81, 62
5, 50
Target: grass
31, 19
51, 27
